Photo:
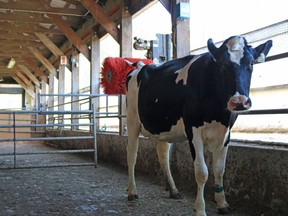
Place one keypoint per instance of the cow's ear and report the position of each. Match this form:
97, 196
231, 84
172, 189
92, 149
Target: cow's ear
261, 51
212, 48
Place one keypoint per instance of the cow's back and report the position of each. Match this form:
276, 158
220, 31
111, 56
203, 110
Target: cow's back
155, 96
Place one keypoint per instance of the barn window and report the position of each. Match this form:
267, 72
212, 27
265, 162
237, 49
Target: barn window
12, 94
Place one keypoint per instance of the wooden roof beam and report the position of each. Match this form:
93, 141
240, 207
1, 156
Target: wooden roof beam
103, 19
9, 43
49, 44
23, 85
36, 69
28, 73
32, 19
25, 27
71, 35
25, 80
6, 72
36, 6
43, 60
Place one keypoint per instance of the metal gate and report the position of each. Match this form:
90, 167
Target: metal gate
12, 137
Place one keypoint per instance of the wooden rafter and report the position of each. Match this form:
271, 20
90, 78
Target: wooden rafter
24, 27
108, 24
28, 73
36, 69
71, 35
23, 85
16, 36
9, 43
36, 6
32, 19
27, 32
43, 60
50, 45
25, 79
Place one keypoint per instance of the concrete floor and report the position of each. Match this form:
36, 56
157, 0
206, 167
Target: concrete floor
86, 190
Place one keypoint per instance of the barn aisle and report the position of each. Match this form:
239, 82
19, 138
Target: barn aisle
87, 190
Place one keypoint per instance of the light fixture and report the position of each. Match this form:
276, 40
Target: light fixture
11, 63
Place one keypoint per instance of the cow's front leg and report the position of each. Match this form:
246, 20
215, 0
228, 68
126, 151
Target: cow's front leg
163, 156
201, 172
219, 159
132, 149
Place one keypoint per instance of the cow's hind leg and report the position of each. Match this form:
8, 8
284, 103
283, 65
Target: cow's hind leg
132, 149
163, 155
219, 158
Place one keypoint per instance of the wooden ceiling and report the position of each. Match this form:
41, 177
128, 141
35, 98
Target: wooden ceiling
36, 31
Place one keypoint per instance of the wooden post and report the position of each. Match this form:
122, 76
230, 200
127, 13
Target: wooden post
126, 51
61, 90
51, 98
42, 105
180, 33
75, 105
95, 73
126, 34
36, 102
43, 98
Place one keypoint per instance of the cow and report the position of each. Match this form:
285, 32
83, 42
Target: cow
195, 98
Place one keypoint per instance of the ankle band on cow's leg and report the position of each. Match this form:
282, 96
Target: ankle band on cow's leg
218, 188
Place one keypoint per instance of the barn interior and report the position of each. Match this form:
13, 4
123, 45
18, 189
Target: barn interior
58, 97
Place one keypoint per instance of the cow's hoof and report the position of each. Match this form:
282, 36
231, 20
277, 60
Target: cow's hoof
132, 197
224, 211
200, 213
175, 195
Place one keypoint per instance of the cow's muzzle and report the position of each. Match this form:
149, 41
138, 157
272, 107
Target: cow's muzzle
238, 103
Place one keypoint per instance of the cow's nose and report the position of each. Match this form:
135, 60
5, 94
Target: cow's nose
240, 107
243, 106
239, 103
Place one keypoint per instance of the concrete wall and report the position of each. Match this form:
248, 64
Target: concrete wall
255, 174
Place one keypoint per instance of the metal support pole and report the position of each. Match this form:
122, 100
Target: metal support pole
14, 138
39, 102
120, 113
94, 135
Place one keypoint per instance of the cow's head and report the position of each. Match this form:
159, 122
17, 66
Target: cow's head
235, 61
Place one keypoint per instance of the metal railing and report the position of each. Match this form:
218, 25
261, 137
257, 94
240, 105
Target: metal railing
14, 125
106, 114
104, 109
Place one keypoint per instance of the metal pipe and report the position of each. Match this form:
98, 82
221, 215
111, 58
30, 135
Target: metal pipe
45, 125
46, 138
94, 135
51, 166
264, 111
80, 95
51, 152
14, 139
48, 112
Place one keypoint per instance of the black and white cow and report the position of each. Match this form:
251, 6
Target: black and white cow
194, 98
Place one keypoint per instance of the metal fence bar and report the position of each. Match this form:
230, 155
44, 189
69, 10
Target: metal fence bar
264, 111
46, 138
15, 139
50, 152
94, 135
44, 125
53, 165
47, 112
